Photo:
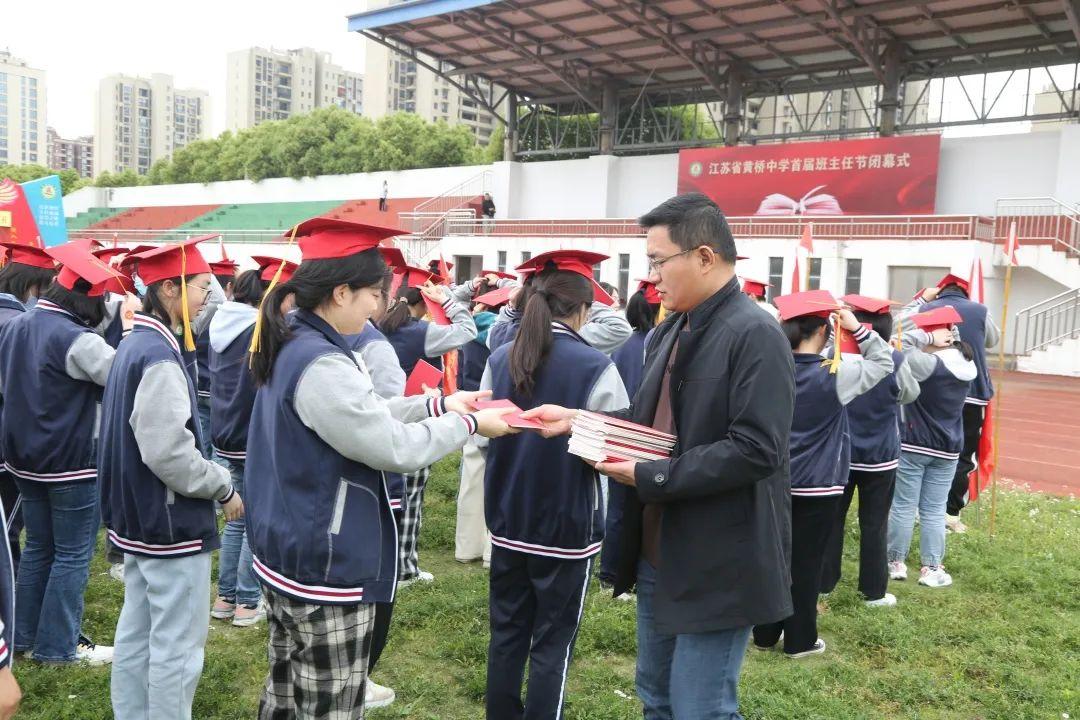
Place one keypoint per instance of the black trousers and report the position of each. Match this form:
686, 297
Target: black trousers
9, 495
812, 520
536, 604
380, 632
875, 499
969, 458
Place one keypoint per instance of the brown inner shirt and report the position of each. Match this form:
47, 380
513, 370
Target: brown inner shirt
652, 513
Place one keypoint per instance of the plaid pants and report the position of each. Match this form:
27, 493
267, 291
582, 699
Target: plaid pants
409, 523
318, 660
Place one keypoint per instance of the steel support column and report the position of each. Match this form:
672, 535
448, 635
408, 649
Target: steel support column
733, 107
609, 115
890, 93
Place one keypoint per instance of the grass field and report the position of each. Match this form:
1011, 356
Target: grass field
1003, 642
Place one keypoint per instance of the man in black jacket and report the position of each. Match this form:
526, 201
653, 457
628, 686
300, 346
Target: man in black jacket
707, 536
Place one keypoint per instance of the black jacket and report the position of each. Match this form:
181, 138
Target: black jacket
725, 537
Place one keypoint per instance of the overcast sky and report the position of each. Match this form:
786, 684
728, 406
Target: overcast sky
78, 42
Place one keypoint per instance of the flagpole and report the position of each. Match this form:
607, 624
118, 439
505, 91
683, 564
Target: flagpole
1010, 250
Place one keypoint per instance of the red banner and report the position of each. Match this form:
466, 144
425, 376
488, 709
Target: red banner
875, 176
16, 220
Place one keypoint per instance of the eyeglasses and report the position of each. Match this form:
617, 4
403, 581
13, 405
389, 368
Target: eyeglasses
206, 290
655, 265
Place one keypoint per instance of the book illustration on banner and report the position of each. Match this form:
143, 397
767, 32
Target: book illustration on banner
424, 374
599, 438
809, 204
513, 418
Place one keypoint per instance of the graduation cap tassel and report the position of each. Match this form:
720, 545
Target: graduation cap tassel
900, 334
254, 347
834, 364
189, 340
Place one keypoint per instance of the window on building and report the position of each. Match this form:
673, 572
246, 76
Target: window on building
814, 281
853, 277
526, 255
776, 277
502, 261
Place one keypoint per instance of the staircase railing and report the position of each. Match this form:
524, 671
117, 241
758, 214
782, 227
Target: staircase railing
1039, 221
428, 221
1048, 322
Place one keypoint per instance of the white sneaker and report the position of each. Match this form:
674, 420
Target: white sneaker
246, 617
627, 597
897, 570
819, 647
888, 601
116, 571
93, 655
953, 524
376, 695
424, 576
935, 577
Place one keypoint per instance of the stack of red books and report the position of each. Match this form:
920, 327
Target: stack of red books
600, 438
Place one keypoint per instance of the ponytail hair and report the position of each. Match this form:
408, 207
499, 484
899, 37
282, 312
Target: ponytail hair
249, 287
398, 314
552, 294
965, 349
152, 304
312, 285
90, 310
640, 313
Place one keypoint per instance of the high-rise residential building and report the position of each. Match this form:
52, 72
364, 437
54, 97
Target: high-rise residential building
395, 83
277, 84
75, 154
841, 112
139, 121
22, 112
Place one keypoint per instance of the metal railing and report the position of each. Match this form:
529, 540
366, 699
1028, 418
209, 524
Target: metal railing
464, 192
879, 227
1048, 322
1039, 221
162, 236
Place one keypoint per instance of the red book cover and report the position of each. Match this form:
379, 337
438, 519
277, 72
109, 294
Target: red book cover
423, 374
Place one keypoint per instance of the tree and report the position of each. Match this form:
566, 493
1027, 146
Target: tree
127, 178
69, 179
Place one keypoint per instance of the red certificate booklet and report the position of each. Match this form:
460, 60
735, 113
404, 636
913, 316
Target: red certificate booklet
423, 374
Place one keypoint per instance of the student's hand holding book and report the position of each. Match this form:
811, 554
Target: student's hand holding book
490, 422
462, 402
234, 508
556, 419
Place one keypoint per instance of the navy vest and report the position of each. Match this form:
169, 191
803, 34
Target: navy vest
471, 363
320, 525
395, 482
973, 332
408, 343
538, 498
202, 362
934, 423
9, 308
50, 427
144, 517
630, 359
232, 393
874, 420
820, 443
114, 331
502, 333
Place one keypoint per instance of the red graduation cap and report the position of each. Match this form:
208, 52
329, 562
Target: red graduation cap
121, 282
23, 254
89, 243
78, 263
652, 296
498, 273
811, 302
393, 257
575, 261
224, 267
172, 260
324, 237
951, 279
741, 257
940, 317
496, 297
755, 288
872, 305
414, 277
268, 267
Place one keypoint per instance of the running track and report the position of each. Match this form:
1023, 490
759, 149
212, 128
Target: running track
1039, 431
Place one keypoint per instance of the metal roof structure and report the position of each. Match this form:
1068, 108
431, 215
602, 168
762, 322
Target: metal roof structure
573, 52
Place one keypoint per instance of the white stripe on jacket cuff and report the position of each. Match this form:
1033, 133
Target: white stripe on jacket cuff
228, 495
471, 423
436, 406
862, 334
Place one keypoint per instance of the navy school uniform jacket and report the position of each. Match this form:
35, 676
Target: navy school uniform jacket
202, 364
419, 340
388, 379
630, 359
157, 489
606, 330
933, 425
978, 331
874, 418
7, 597
10, 307
538, 498
318, 510
820, 443
52, 369
232, 386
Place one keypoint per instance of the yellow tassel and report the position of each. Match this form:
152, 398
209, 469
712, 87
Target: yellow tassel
834, 364
254, 347
899, 334
661, 314
189, 340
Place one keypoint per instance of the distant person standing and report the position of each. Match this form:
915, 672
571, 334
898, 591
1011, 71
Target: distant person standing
383, 207
487, 207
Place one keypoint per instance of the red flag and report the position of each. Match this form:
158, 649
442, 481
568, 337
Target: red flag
444, 270
796, 276
976, 288
806, 242
16, 219
450, 366
980, 476
1012, 244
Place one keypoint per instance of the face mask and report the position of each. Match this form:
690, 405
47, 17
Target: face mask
140, 286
